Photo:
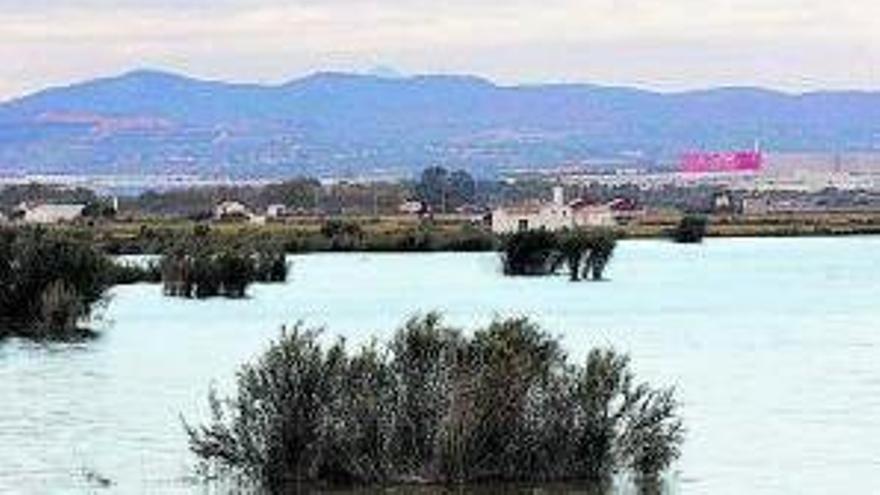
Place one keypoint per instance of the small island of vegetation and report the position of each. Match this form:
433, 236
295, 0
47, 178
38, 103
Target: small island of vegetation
691, 229
51, 281
437, 407
50, 284
199, 267
586, 252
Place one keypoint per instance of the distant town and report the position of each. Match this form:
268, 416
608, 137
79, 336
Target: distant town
743, 184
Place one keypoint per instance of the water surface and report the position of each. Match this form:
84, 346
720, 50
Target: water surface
772, 344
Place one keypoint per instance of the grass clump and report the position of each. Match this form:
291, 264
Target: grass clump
435, 406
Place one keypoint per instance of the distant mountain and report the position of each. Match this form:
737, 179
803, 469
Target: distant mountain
335, 123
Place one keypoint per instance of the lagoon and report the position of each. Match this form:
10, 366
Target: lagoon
773, 345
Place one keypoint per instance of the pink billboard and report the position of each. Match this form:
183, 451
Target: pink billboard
736, 161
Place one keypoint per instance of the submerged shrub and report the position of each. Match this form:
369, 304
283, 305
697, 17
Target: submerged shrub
586, 252
435, 406
49, 284
531, 252
201, 268
691, 229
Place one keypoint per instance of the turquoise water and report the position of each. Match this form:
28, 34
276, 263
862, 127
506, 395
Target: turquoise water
773, 345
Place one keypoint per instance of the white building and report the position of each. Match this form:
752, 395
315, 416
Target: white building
231, 209
556, 215
757, 205
410, 207
47, 213
586, 214
276, 211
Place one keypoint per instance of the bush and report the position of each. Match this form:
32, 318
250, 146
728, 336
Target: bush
202, 267
48, 284
532, 252
540, 252
587, 252
436, 407
342, 235
691, 229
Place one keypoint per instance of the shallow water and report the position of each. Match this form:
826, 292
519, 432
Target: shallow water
772, 343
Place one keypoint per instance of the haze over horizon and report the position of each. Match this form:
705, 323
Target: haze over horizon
791, 45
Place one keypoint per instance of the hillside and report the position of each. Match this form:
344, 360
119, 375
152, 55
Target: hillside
334, 123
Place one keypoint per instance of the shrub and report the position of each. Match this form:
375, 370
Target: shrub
436, 407
691, 229
342, 235
532, 252
48, 283
203, 267
540, 252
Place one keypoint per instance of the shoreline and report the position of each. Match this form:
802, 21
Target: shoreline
403, 234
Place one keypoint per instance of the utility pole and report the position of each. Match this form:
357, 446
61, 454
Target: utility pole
375, 201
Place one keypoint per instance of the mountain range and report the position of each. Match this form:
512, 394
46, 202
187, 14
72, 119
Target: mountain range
333, 124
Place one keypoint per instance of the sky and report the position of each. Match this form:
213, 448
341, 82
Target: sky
668, 45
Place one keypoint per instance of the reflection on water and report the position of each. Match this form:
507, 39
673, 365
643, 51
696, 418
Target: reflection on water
772, 344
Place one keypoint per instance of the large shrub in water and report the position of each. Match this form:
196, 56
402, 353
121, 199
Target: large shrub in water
48, 284
690, 229
437, 407
586, 252
201, 266
531, 252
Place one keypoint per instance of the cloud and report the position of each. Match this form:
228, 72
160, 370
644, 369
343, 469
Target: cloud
702, 42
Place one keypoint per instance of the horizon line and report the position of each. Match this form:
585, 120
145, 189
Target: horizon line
403, 76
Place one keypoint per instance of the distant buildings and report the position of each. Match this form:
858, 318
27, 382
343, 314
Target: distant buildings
555, 215
276, 211
50, 213
411, 207
755, 205
723, 203
231, 210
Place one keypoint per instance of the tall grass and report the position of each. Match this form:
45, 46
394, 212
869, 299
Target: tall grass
435, 406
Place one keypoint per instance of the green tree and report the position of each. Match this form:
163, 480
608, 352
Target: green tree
433, 188
462, 189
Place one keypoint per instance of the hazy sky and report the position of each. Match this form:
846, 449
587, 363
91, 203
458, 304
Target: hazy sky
663, 44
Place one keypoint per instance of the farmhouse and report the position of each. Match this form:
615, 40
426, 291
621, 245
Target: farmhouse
231, 210
276, 211
555, 215
411, 207
50, 213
